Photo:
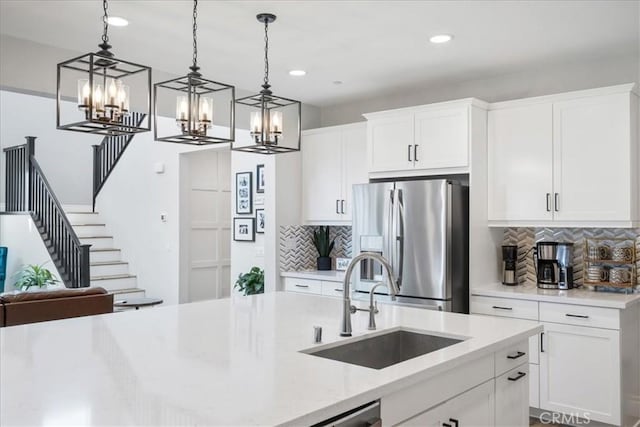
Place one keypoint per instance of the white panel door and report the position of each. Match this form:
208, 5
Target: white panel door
209, 223
520, 168
512, 397
592, 159
580, 372
442, 139
322, 176
390, 143
354, 151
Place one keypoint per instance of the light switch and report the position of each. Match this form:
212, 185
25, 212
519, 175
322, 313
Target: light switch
163, 217
158, 167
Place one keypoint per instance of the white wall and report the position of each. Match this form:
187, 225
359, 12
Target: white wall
537, 79
65, 157
20, 235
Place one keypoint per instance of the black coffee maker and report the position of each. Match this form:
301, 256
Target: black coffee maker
509, 264
553, 265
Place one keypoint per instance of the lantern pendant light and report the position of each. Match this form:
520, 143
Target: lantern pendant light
196, 100
274, 121
113, 96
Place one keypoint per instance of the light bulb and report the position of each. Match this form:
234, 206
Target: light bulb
256, 122
181, 108
97, 99
113, 91
84, 93
276, 122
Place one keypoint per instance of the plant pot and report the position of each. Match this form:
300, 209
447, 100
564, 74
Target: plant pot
324, 263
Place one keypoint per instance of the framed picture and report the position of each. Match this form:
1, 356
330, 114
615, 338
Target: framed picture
244, 229
260, 179
260, 221
244, 193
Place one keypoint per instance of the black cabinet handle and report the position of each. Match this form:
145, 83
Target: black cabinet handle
454, 421
415, 152
517, 377
302, 286
497, 307
337, 206
556, 201
548, 202
541, 342
409, 152
446, 425
518, 355
580, 316
342, 206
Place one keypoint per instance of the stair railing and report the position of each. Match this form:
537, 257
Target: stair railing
107, 154
27, 190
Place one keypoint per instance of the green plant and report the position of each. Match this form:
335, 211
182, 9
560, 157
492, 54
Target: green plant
251, 283
34, 275
322, 242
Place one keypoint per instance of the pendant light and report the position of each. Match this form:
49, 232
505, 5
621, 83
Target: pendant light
274, 121
106, 90
196, 100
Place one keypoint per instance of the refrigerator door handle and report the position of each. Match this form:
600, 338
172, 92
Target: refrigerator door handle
388, 226
398, 236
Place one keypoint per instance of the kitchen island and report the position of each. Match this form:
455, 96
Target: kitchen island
239, 362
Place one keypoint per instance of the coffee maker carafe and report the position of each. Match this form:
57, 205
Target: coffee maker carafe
509, 260
553, 265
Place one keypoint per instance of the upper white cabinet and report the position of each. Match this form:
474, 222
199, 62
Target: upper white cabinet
565, 160
426, 140
332, 161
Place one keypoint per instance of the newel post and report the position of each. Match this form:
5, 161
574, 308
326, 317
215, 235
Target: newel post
30, 148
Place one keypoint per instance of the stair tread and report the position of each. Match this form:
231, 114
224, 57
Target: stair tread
113, 277
95, 237
88, 225
80, 213
97, 263
104, 250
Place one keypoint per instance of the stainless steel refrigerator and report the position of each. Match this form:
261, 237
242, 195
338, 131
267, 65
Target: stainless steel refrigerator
422, 228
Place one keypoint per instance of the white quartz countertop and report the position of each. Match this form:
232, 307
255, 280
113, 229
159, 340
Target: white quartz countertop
578, 296
224, 362
328, 276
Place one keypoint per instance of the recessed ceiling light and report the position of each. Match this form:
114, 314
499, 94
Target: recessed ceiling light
441, 38
297, 73
117, 21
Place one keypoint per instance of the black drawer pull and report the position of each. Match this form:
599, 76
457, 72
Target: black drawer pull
446, 425
338, 290
518, 355
454, 421
497, 307
517, 377
580, 316
302, 286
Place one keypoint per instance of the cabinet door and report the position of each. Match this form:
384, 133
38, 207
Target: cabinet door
354, 149
390, 143
322, 176
580, 372
512, 397
442, 139
520, 156
592, 150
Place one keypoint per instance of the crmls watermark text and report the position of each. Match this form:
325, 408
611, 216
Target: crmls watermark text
582, 418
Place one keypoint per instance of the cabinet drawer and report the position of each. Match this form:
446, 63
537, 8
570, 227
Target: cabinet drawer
580, 315
303, 286
511, 357
504, 307
534, 385
332, 289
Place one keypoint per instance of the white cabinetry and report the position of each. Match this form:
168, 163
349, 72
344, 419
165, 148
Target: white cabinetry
565, 160
425, 140
579, 372
332, 161
313, 286
512, 397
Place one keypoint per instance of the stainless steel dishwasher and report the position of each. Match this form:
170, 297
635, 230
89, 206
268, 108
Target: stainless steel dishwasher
362, 416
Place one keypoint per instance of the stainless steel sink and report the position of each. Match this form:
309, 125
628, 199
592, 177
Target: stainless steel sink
386, 349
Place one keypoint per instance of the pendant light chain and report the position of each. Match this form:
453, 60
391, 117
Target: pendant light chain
266, 54
105, 21
195, 38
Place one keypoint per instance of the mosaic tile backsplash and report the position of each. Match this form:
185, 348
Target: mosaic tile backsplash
526, 238
303, 257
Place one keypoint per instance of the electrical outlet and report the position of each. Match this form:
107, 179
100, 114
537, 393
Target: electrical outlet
163, 217
290, 243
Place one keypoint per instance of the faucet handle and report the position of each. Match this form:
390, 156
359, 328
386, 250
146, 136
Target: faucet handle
375, 308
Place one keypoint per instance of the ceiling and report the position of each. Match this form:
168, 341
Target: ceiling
373, 47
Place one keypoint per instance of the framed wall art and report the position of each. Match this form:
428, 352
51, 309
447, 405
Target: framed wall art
260, 179
244, 229
244, 193
260, 221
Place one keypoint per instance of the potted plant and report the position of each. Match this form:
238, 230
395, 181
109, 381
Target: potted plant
35, 277
324, 245
251, 283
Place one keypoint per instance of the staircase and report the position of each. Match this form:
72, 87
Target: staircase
108, 269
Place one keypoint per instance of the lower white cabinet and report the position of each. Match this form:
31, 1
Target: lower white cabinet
580, 372
512, 397
314, 287
475, 408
